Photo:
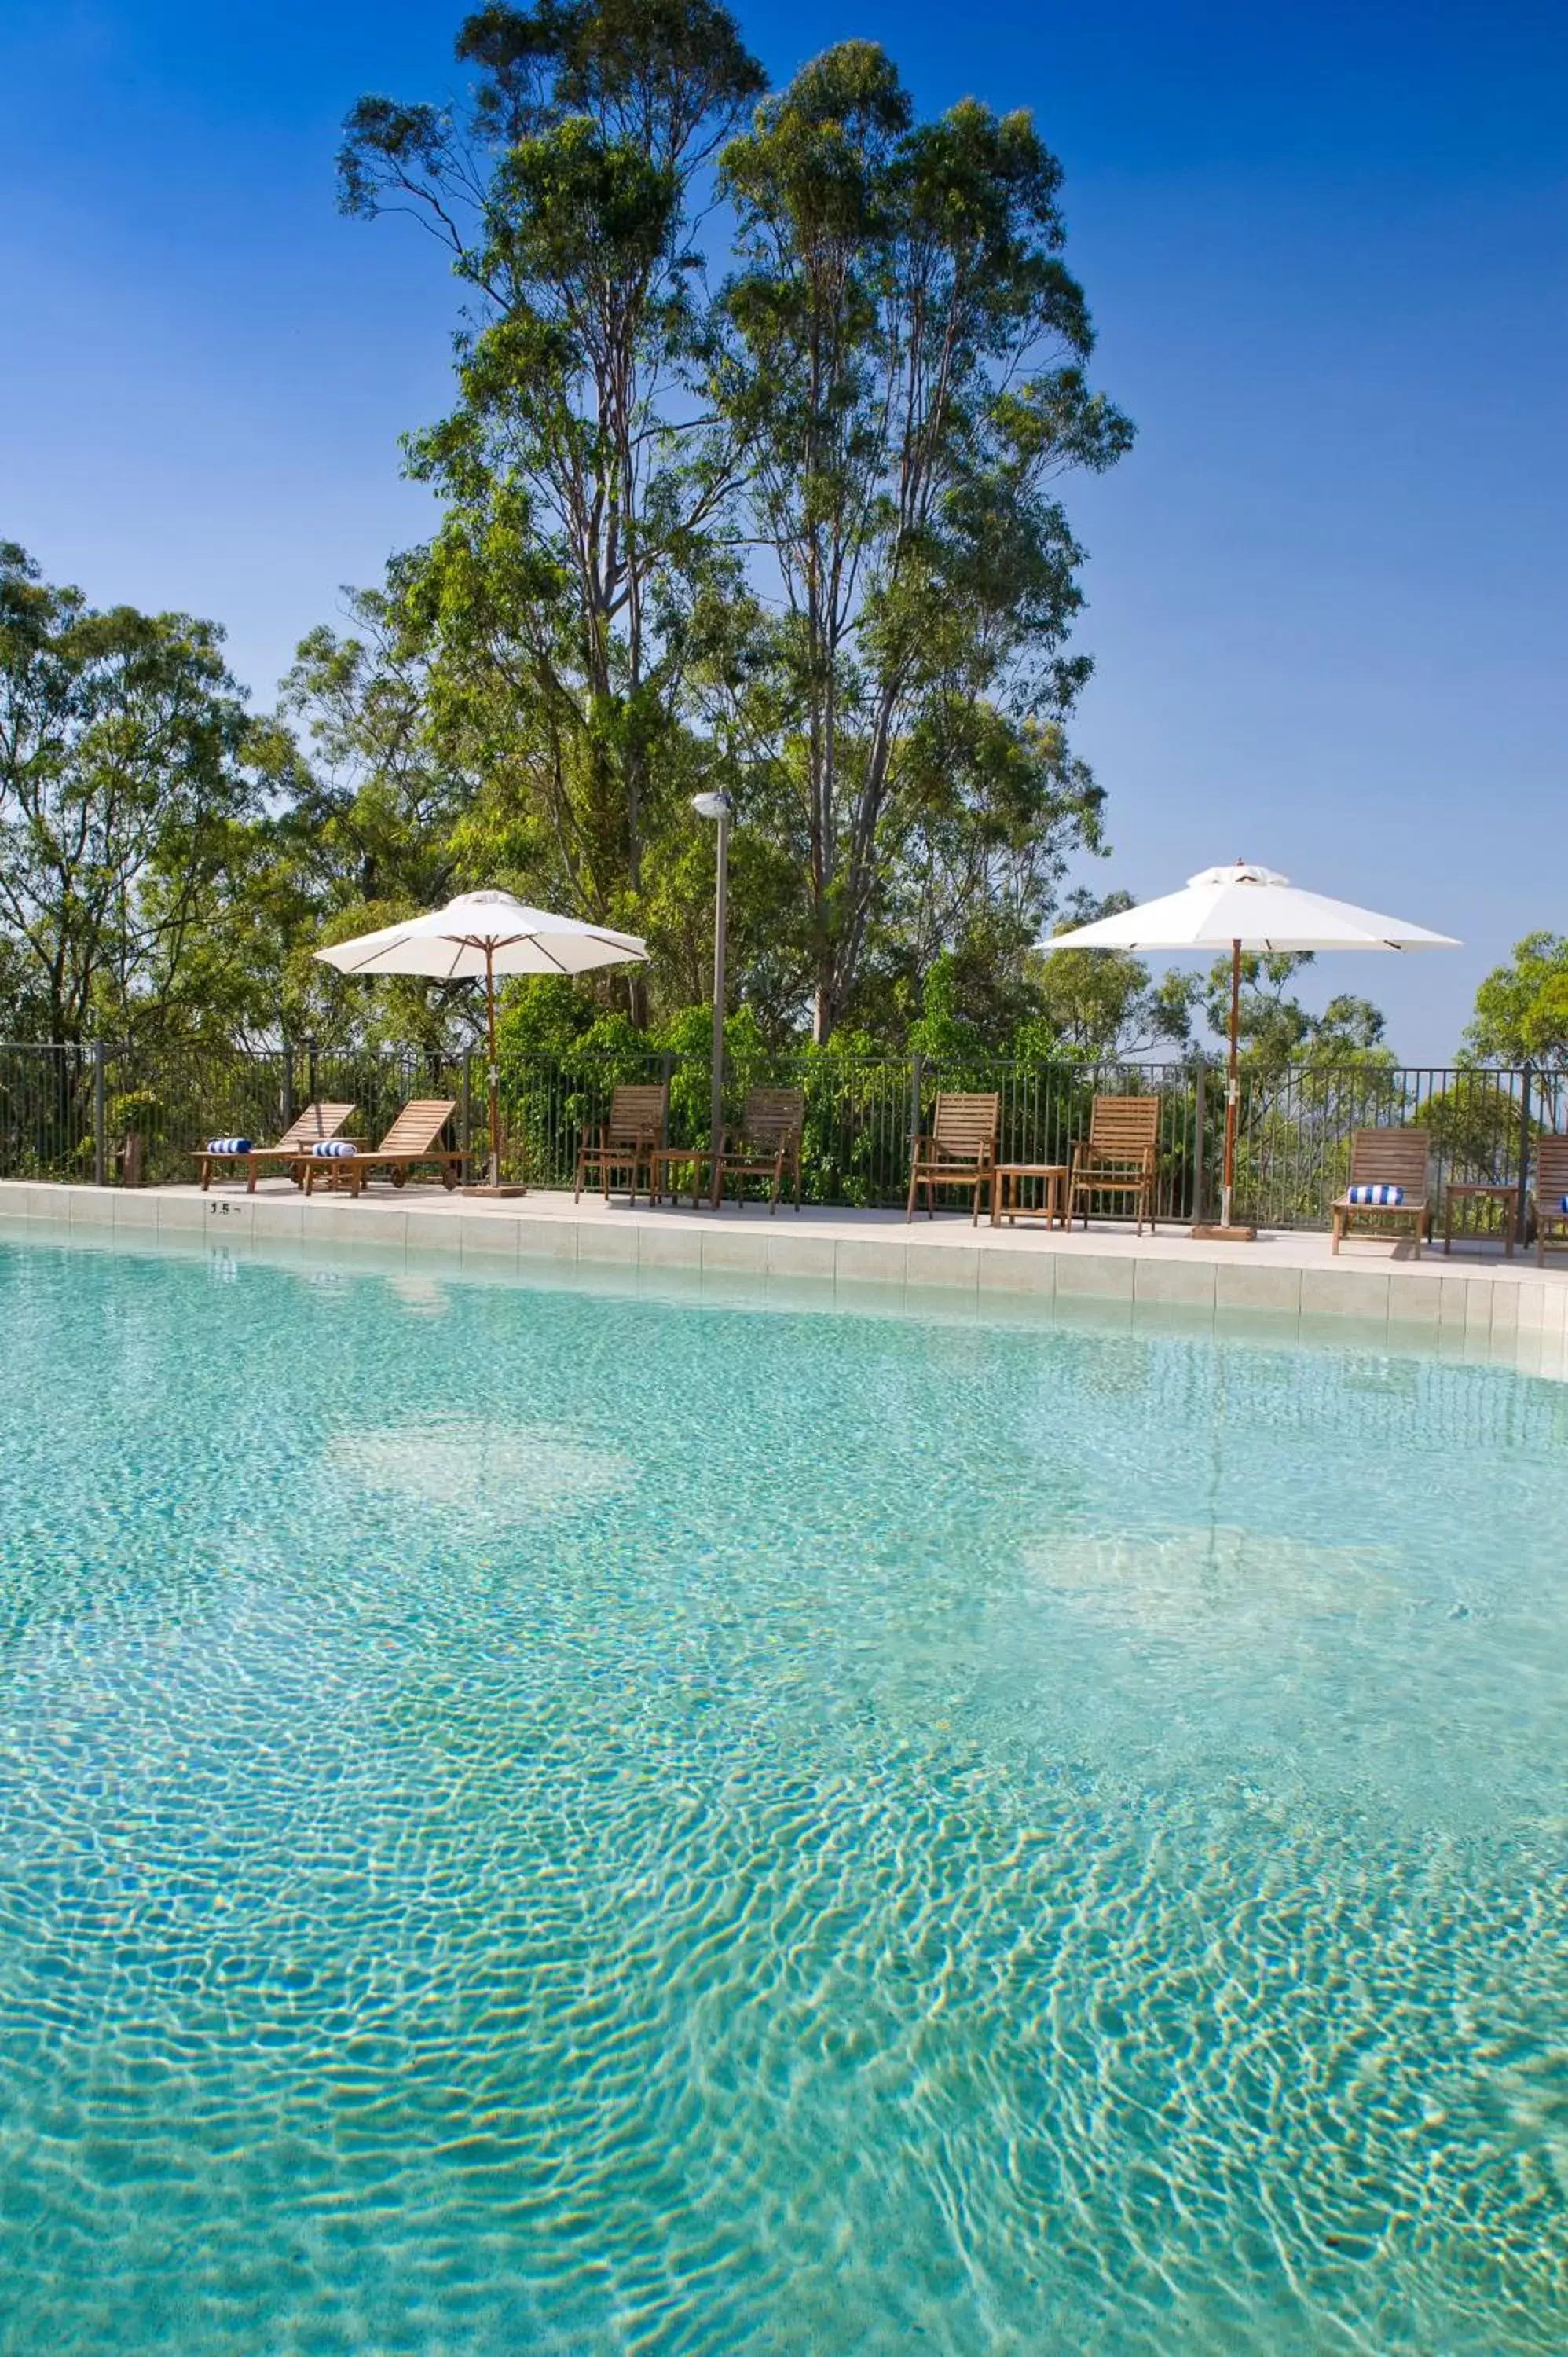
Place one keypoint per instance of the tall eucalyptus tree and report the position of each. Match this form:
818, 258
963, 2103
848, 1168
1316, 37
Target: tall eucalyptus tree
582, 470
905, 367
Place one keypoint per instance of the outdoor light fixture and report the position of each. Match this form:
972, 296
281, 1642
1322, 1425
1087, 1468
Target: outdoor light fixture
718, 806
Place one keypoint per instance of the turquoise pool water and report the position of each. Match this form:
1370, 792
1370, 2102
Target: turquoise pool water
539, 1822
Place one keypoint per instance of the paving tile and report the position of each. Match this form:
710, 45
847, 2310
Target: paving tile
1455, 1291
435, 1237
1361, 1293
1531, 1317
611, 1243
1478, 1305
678, 1246
735, 1248
878, 1261
1416, 1300
352, 1224
1106, 1276
1191, 1284
272, 1218
89, 1207
1020, 1269
224, 1219
792, 1254
487, 1237
134, 1207
955, 1266
1241, 1283
545, 1240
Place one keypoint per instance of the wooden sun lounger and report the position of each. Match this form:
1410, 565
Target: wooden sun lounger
1388, 1158
767, 1145
413, 1138
315, 1123
960, 1150
1118, 1157
1550, 1187
629, 1141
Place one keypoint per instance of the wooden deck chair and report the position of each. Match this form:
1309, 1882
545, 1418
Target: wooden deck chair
629, 1141
413, 1138
314, 1125
1119, 1157
767, 1142
1551, 1195
959, 1150
1387, 1181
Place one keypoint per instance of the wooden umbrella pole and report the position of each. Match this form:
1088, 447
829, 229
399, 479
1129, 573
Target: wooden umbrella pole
492, 1184
495, 1076
1233, 1082
1227, 1231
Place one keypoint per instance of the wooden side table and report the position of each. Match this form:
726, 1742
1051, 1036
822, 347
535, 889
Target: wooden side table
668, 1159
1506, 1196
1008, 1181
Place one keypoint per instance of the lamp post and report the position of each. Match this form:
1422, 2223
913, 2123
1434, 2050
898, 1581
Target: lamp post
718, 806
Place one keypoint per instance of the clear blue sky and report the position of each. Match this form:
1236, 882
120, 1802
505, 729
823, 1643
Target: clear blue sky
1327, 247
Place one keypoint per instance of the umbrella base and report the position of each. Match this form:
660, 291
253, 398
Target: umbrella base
495, 1190
1209, 1234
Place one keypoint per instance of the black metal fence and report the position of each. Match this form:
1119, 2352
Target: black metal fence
68, 1113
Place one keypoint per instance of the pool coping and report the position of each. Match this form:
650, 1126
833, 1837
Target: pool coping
1497, 1310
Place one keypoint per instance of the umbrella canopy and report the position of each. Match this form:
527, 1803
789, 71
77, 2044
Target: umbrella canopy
480, 935
1246, 907
1252, 906
476, 937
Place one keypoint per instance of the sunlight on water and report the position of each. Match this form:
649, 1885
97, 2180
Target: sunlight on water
538, 1822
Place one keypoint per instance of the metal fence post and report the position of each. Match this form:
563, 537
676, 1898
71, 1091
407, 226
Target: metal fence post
1198, 1118
666, 1074
465, 1112
100, 1143
1526, 1077
288, 1084
310, 1068
917, 1073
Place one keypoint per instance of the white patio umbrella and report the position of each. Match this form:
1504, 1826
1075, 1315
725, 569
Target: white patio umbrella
1246, 907
477, 936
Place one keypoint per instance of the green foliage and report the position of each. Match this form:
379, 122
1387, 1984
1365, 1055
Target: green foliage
1521, 1008
904, 364
130, 773
580, 479
1103, 1006
1474, 1127
875, 405
1277, 1032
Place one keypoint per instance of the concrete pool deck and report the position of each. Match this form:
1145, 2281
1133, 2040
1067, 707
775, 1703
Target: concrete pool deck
1492, 1306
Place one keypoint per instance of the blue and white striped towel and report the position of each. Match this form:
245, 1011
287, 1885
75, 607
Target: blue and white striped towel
229, 1145
1383, 1196
332, 1149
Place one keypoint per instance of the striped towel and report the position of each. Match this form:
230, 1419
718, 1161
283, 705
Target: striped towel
1563, 1206
229, 1145
1383, 1196
332, 1149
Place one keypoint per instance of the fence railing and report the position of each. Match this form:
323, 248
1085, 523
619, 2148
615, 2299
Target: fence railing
67, 1112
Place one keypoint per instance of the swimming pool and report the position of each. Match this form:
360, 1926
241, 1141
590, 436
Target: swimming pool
550, 1820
